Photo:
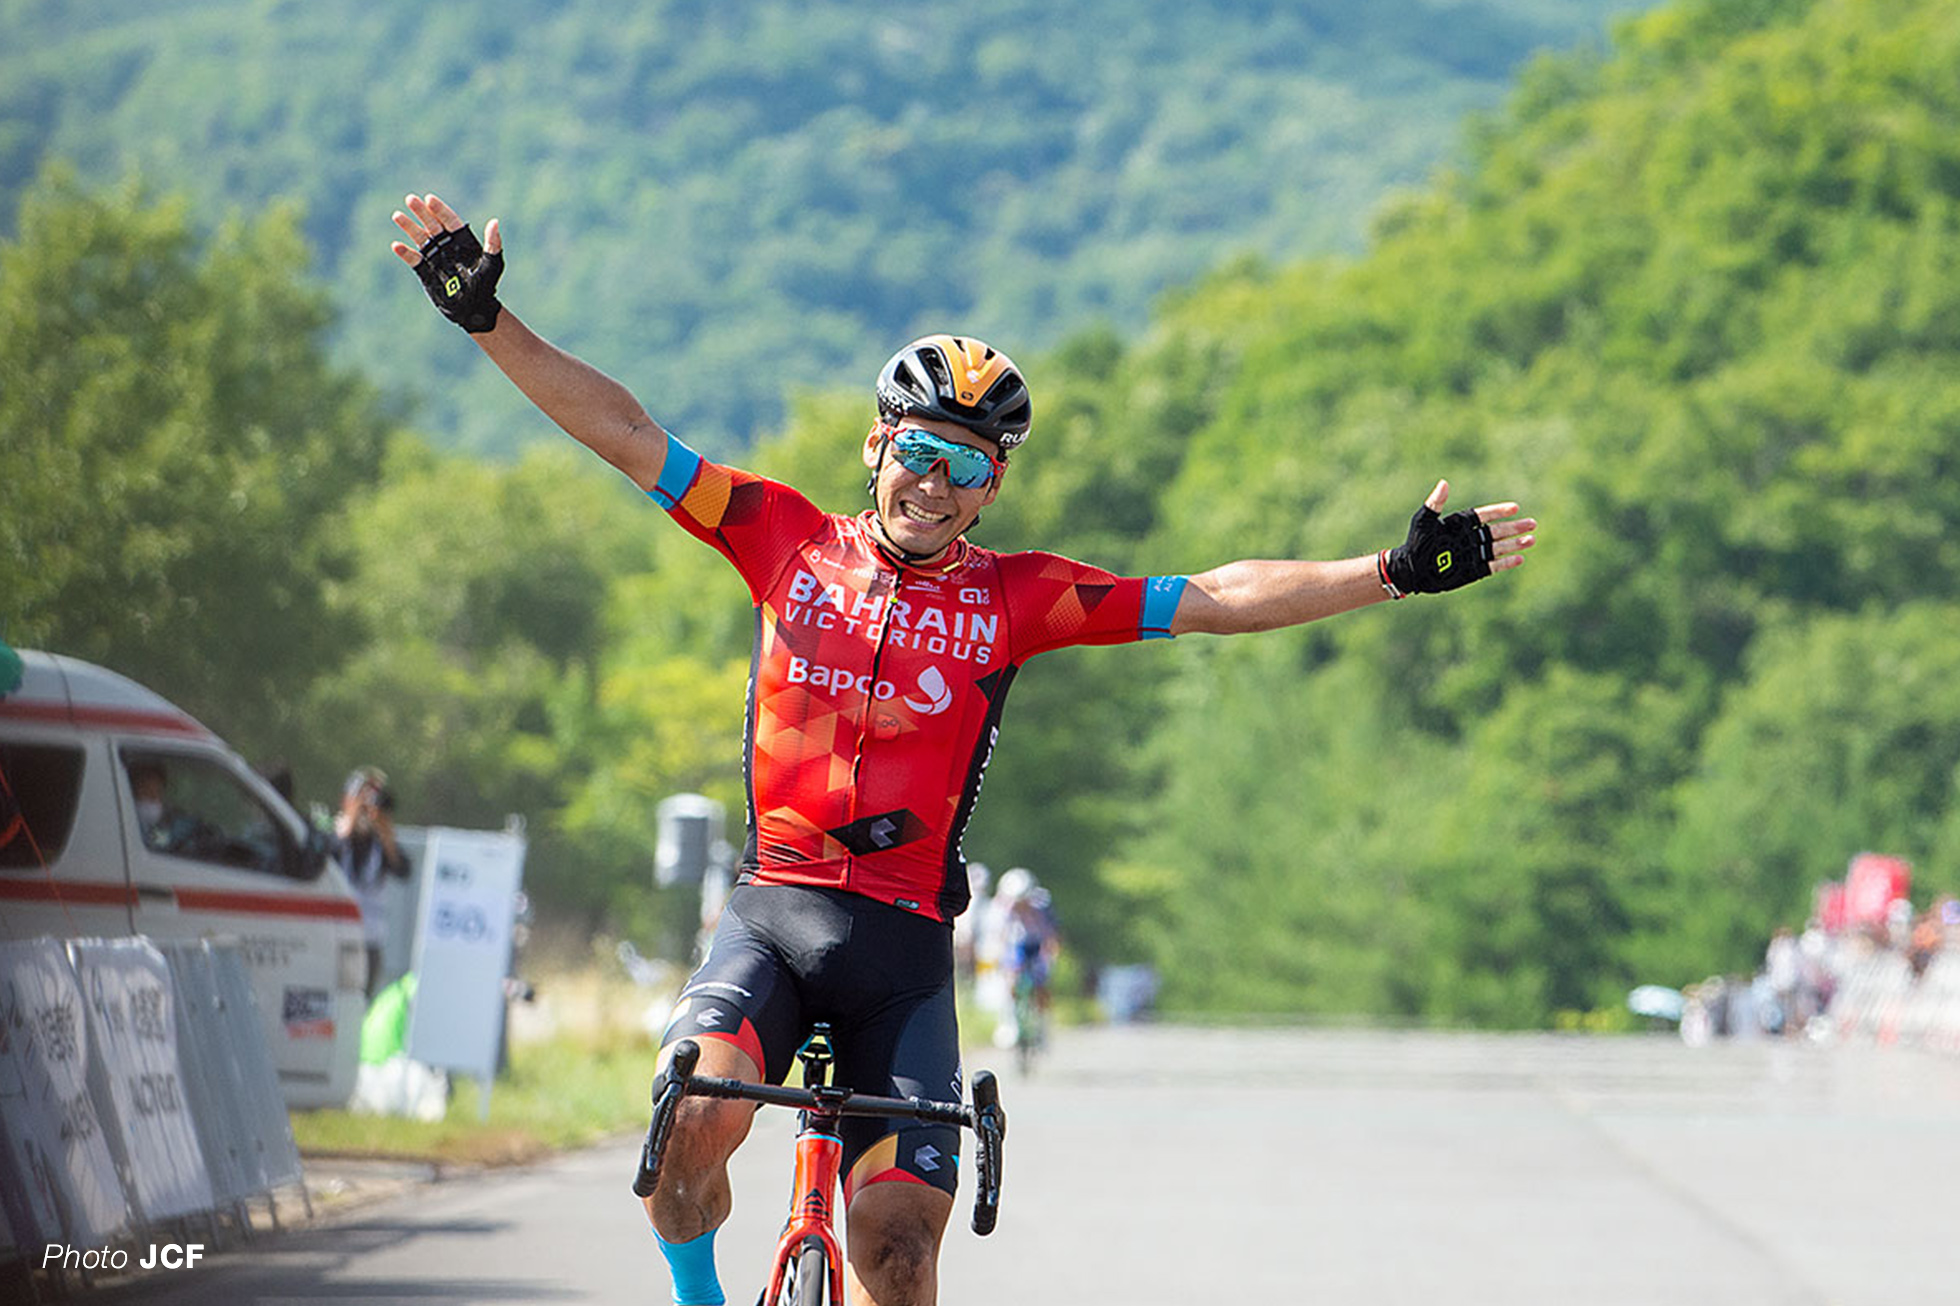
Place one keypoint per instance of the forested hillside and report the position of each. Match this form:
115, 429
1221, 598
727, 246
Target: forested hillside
727, 200
1699, 308
1694, 301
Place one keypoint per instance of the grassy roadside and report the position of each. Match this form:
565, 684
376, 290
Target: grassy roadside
580, 1065
561, 1092
580, 1062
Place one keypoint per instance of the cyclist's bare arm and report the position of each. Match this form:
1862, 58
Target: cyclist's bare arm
590, 406
1245, 596
1241, 597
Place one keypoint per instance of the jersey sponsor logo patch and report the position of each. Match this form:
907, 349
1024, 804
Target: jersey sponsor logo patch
938, 697
811, 602
879, 832
840, 679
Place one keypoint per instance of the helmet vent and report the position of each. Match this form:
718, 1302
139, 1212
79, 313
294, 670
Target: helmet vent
935, 363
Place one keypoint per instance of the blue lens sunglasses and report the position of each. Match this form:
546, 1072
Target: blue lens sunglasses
918, 452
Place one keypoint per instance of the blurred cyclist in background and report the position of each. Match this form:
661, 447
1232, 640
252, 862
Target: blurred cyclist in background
968, 926
1024, 915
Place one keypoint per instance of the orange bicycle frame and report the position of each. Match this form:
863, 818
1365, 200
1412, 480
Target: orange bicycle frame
819, 1160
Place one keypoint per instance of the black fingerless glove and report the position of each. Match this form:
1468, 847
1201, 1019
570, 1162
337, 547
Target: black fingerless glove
1441, 553
462, 279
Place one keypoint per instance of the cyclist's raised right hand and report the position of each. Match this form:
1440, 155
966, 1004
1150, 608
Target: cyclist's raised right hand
459, 272
460, 275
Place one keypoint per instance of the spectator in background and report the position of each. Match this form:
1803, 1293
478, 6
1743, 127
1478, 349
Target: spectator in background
966, 927
364, 845
1783, 968
147, 785
1898, 925
1928, 936
1819, 952
165, 827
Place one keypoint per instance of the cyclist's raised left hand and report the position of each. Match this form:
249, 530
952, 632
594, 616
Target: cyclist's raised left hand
1446, 553
459, 272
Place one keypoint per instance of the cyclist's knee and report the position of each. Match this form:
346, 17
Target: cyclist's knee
894, 1235
707, 1130
706, 1133
897, 1265
693, 1195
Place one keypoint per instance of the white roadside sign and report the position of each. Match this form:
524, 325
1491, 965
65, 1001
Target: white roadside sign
470, 884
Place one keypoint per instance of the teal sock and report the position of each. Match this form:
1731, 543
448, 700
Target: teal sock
692, 1265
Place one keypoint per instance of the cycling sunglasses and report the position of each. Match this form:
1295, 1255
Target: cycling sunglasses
918, 452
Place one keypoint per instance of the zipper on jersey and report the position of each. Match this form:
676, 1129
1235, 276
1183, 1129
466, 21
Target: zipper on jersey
885, 578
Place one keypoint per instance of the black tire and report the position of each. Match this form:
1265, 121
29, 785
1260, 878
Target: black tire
1029, 1032
812, 1285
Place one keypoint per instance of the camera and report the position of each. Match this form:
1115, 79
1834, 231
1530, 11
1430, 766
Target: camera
367, 787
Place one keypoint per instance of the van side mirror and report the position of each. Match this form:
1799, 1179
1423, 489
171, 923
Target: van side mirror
311, 857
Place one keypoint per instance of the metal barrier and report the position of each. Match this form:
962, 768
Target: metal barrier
136, 1079
262, 1107
136, 1094
234, 1090
60, 1183
208, 1078
1879, 999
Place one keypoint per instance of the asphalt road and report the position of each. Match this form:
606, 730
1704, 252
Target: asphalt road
1157, 1165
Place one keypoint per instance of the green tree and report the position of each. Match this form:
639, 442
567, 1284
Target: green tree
1844, 738
176, 447
485, 593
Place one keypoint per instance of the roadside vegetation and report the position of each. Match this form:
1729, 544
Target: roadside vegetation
561, 1093
581, 1058
1694, 300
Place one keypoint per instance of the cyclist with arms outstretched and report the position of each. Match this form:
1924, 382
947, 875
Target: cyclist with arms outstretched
885, 647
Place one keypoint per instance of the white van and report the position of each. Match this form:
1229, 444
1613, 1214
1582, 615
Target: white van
214, 852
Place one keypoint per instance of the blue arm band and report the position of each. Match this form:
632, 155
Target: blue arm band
1161, 595
676, 474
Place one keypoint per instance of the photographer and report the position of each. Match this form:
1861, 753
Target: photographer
364, 845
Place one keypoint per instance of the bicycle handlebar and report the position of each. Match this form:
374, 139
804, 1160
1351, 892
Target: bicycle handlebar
985, 1118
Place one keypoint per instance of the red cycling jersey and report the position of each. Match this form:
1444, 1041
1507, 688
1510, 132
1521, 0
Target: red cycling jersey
876, 688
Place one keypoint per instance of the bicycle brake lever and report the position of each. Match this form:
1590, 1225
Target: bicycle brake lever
669, 1087
990, 1127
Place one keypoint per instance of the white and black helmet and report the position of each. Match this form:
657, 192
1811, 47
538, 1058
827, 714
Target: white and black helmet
958, 379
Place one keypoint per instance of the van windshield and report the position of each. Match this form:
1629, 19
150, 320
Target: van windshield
40, 788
